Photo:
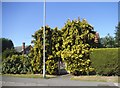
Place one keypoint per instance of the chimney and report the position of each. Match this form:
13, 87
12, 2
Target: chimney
23, 47
96, 39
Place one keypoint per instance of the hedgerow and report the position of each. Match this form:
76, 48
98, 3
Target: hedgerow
106, 61
16, 64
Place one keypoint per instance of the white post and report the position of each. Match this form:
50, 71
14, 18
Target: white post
44, 23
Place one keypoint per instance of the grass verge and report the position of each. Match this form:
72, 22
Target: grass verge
29, 75
97, 78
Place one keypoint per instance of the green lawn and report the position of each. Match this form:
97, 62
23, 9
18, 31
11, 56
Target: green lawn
97, 78
29, 75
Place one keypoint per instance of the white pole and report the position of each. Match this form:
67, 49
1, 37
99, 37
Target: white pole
44, 23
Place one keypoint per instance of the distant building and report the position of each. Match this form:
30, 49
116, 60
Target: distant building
97, 37
23, 49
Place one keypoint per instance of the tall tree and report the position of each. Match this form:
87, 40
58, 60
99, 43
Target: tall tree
117, 35
6, 44
72, 43
108, 41
55, 48
53, 44
36, 54
78, 38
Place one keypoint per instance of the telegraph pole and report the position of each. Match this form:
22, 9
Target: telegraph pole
44, 23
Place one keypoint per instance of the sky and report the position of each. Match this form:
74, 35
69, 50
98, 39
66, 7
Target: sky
119, 11
21, 19
0, 20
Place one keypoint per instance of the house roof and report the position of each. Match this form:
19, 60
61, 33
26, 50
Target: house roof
19, 48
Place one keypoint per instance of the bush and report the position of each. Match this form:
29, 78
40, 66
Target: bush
78, 38
105, 61
53, 47
52, 65
9, 52
16, 64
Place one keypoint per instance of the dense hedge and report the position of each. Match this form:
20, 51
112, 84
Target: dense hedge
16, 64
105, 61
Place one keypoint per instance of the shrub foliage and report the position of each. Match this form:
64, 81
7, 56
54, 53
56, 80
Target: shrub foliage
106, 61
16, 64
72, 44
78, 36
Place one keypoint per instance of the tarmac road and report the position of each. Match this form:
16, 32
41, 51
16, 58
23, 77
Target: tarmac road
59, 81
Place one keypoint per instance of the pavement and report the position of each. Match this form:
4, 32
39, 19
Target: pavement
58, 81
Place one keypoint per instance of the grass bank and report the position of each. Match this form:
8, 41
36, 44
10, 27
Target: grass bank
29, 75
97, 78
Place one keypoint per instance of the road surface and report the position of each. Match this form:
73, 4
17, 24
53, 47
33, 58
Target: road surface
59, 81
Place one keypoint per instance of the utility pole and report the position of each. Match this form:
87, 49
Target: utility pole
44, 23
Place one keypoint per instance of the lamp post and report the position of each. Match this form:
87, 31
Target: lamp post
44, 23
